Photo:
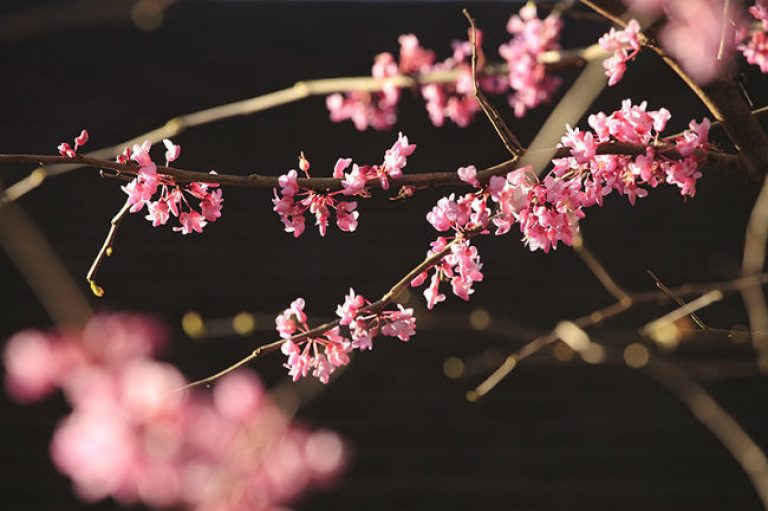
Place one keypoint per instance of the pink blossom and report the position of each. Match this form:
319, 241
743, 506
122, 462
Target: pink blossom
68, 151
289, 183
395, 159
695, 137
527, 76
81, 139
210, 206
348, 311
354, 182
346, 216
172, 151
413, 58
340, 167
191, 221
625, 45
159, 212
134, 437
469, 175
432, 293
400, 324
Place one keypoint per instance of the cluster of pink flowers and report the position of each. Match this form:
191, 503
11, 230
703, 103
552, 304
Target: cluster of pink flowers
455, 100
293, 201
461, 266
625, 45
173, 198
71, 152
755, 50
134, 436
323, 353
548, 211
528, 76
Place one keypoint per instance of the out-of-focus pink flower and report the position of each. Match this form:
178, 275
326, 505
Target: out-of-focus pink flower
528, 76
135, 437
692, 36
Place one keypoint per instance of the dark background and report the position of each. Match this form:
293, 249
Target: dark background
552, 436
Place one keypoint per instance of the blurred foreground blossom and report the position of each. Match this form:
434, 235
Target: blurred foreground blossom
133, 435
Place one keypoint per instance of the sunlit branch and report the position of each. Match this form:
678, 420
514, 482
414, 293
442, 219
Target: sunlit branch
752, 263
597, 268
659, 284
554, 60
718, 421
600, 315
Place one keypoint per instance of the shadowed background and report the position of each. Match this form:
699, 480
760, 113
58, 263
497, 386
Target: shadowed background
554, 435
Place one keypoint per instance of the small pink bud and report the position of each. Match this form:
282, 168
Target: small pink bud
82, 139
303, 163
66, 150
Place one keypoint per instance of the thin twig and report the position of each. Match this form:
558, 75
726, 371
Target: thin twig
718, 421
659, 284
599, 270
509, 140
752, 263
723, 29
106, 249
600, 315
685, 310
390, 296
537, 344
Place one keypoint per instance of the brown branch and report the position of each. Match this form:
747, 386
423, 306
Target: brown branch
509, 140
427, 179
106, 250
554, 60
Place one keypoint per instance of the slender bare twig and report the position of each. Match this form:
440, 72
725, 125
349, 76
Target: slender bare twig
718, 421
659, 284
106, 249
599, 270
508, 138
375, 307
723, 29
600, 315
685, 310
752, 263
299, 91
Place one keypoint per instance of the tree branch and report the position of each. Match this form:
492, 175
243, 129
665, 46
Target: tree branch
718, 159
